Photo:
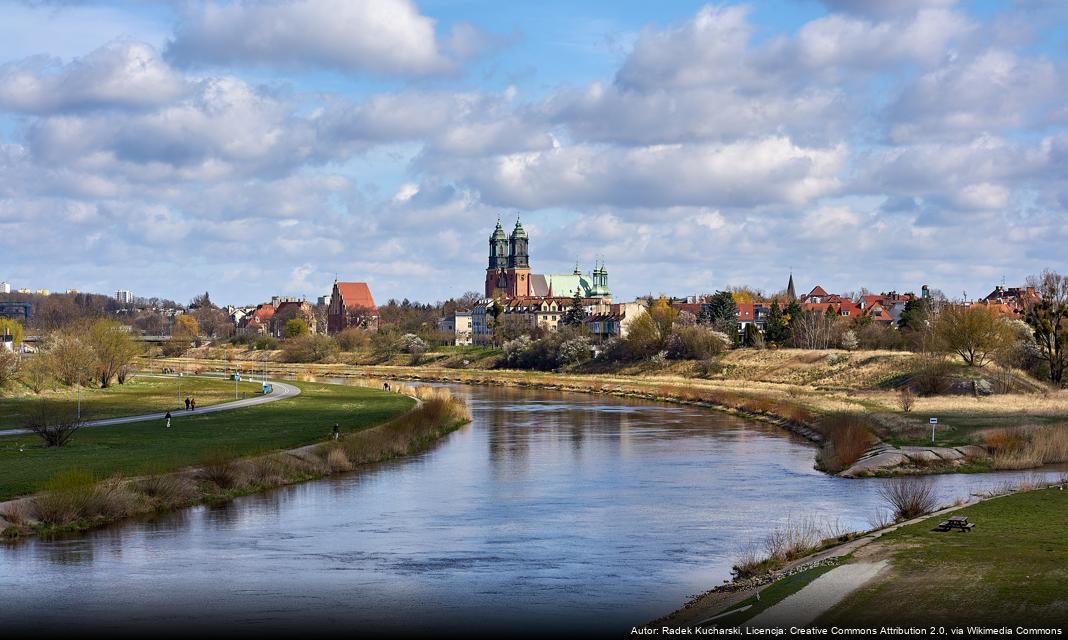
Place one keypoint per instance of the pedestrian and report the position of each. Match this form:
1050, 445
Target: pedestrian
337, 431
168, 417
192, 404
386, 386
187, 403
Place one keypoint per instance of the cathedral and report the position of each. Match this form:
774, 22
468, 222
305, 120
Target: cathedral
508, 275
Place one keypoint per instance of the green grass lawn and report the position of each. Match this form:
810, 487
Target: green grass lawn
1011, 569
142, 447
144, 394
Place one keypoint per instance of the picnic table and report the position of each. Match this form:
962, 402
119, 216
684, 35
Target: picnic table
956, 522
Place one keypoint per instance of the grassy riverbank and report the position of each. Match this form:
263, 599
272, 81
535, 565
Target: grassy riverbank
1011, 569
77, 499
144, 393
144, 447
844, 400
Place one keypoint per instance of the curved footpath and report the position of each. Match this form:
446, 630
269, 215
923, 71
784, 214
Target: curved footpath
279, 391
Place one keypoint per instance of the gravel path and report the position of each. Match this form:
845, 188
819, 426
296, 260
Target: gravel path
279, 391
802, 608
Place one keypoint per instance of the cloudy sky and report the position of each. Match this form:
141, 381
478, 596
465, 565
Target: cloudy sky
255, 148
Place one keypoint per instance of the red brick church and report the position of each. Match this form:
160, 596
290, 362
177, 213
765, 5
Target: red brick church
351, 305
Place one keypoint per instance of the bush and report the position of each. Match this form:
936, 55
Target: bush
353, 339
265, 343
310, 348
909, 497
932, 375
906, 399
695, 343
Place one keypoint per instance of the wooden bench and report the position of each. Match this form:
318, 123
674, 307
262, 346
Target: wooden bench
956, 522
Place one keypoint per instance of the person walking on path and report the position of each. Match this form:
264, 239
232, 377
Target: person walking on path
168, 418
192, 404
187, 403
337, 431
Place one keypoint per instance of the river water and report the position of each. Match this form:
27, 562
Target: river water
549, 511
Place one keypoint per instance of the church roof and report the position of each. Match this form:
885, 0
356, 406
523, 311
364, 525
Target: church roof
355, 294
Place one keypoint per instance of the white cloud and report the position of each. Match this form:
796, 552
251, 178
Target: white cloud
121, 74
380, 37
749, 173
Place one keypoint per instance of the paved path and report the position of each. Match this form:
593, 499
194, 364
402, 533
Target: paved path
802, 608
279, 391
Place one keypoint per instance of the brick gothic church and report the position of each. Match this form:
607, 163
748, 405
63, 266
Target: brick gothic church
508, 274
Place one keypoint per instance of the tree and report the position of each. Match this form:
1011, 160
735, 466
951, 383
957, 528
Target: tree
183, 335
650, 331
812, 330
9, 367
721, 312
974, 333
70, 357
751, 337
575, 314
353, 339
13, 328
113, 348
296, 327
37, 372
1048, 319
776, 329
53, 425
849, 340
309, 348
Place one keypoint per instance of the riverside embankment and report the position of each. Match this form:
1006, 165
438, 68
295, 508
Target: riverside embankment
858, 434
551, 510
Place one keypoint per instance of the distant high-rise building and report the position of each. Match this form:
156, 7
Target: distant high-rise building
124, 296
5, 287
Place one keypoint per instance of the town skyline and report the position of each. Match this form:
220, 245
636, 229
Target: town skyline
701, 145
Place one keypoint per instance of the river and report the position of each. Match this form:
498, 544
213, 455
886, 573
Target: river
549, 511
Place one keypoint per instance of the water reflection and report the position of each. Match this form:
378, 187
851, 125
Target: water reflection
549, 511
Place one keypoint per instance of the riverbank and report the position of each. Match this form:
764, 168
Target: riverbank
76, 498
853, 422
1009, 569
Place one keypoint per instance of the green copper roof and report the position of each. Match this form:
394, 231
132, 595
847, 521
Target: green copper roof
498, 233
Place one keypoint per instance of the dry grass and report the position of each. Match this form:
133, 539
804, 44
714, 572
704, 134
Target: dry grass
793, 539
1027, 447
76, 496
848, 437
168, 489
337, 461
19, 513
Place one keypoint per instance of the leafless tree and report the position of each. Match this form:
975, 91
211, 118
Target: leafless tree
55, 426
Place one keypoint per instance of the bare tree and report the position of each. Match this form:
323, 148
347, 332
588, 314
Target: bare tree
813, 330
1048, 319
56, 427
9, 367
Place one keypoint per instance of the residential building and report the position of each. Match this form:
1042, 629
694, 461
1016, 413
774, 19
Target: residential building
24, 291
292, 310
614, 320
124, 296
457, 325
277, 301
5, 287
324, 300
1012, 300
20, 311
351, 305
43, 292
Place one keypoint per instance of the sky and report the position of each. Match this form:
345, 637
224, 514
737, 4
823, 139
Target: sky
264, 148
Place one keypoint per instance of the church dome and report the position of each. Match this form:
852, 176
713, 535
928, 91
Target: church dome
518, 232
498, 233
